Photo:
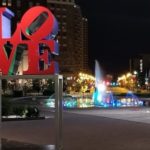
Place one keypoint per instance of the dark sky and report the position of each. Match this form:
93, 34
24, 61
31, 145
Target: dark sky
118, 29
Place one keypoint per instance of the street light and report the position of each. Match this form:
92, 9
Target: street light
135, 72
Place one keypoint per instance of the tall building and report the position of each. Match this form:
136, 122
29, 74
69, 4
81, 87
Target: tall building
141, 64
72, 36
73, 31
85, 46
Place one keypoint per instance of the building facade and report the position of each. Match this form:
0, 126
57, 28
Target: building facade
141, 64
72, 36
85, 46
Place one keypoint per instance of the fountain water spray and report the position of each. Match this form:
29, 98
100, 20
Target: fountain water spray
100, 87
104, 98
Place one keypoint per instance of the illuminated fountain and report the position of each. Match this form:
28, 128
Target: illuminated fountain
104, 98
131, 100
100, 98
100, 89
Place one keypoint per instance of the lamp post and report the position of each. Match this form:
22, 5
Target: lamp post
135, 73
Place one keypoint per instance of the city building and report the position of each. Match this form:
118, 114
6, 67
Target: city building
72, 36
141, 64
85, 46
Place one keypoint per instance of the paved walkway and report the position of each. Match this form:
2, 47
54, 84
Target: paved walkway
86, 132
131, 114
13, 145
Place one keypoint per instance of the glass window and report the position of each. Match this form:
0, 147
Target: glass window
19, 14
37, 4
4, 2
64, 9
30, 4
19, 3
64, 16
9, 3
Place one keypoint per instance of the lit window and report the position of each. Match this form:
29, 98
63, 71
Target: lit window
64, 37
58, 16
141, 65
64, 23
9, 3
58, 9
64, 9
64, 16
4, 2
37, 4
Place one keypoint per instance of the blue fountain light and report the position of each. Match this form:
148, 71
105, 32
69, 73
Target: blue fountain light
133, 100
108, 100
70, 103
103, 98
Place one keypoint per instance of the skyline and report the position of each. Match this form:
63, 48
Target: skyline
117, 31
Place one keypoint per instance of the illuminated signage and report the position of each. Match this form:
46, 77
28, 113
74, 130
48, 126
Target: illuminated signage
36, 34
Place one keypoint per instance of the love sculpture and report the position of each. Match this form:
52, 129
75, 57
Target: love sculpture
37, 32
32, 32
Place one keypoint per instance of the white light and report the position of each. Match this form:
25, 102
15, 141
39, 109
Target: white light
147, 111
99, 98
135, 72
101, 87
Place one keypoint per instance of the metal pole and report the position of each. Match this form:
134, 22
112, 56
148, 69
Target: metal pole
58, 111
0, 110
61, 111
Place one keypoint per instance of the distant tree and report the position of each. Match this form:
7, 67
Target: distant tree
51, 85
36, 85
4, 85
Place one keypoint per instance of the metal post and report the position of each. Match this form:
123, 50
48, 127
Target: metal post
61, 110
58, 111
0, 110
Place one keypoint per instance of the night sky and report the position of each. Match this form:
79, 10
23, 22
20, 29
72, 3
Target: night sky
117, 30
